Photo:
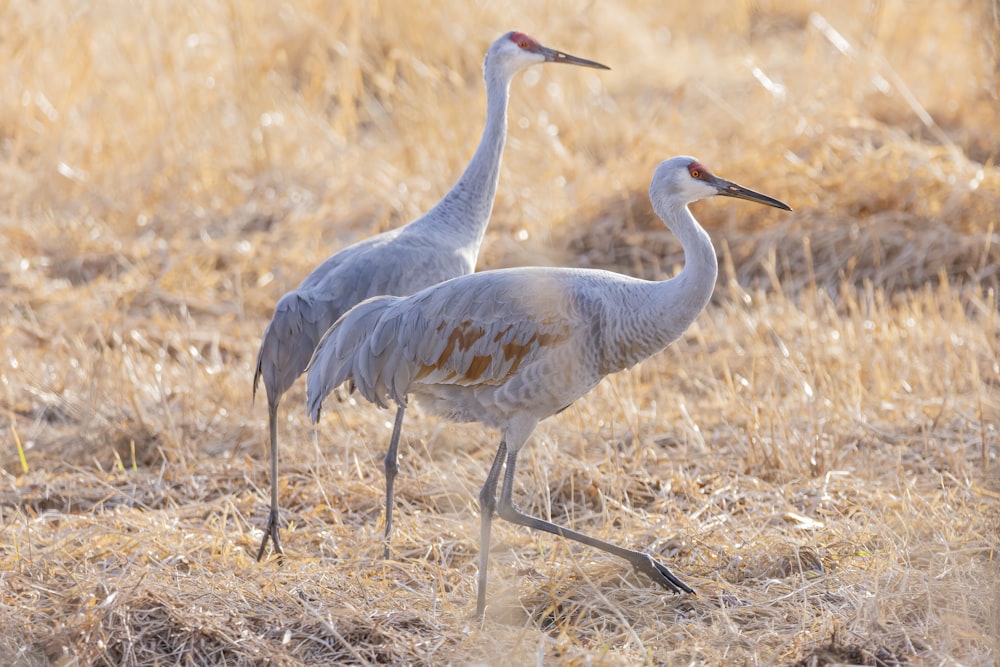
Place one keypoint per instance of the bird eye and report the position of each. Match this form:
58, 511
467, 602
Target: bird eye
523, 44
695, 173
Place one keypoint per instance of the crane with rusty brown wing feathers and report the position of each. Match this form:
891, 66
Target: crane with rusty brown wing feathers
509, 348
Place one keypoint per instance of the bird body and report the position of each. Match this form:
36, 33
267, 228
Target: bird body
441, 244
511, 347
529, 340
302, 316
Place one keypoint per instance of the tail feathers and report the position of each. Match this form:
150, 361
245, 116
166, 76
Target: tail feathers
402, 373
256, 376
344, 354
288, 341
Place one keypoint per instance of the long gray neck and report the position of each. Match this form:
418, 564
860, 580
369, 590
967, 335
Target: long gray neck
466, 209
657, 313
684, 297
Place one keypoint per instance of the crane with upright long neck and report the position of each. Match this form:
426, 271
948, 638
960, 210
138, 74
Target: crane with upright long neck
509, 348
441, 244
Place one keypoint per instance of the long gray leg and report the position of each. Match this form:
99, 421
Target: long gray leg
391, 468
642, 562
271, 531
487, 505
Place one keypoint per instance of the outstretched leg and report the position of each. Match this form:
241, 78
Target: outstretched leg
391, 468
271, 531
487, 505
642, 562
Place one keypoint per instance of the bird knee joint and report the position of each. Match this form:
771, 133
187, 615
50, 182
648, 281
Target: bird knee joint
508, 512
487, 502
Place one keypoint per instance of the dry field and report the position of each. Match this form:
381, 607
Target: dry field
818, 456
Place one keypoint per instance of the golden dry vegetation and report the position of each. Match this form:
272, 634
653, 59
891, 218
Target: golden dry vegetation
817, 456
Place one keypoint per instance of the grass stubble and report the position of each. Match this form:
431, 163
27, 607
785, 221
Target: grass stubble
817, 456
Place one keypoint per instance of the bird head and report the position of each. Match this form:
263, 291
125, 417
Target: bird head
515, 50
684, 179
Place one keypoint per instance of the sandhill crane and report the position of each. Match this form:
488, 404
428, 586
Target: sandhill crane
441, 244
511, 347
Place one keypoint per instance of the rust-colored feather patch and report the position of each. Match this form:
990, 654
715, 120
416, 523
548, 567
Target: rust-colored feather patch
518, 351
479, 364
465, 335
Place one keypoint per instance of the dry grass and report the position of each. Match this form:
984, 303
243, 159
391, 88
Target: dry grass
818, 456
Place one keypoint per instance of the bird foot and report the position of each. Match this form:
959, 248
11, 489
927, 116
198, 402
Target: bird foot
271, 533
659, 573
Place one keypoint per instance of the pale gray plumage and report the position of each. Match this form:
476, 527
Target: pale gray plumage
509, 348
441, 244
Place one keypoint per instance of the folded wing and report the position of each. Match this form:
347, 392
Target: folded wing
472, 331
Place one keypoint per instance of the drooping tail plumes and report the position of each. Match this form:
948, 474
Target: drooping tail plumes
349, 350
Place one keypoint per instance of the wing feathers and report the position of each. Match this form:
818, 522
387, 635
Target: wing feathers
343, 354
472, 331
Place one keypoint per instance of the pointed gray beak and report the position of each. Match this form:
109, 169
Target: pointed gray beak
730, 189
554, 56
